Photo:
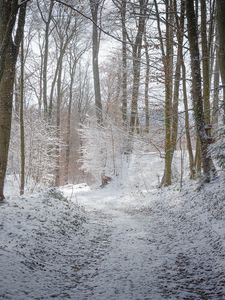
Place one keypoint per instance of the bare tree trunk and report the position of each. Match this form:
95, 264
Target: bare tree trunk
135, 92
205, 63
58, 119
22, 137
206, 48
187, 125
196, 88
122, 6
216, 82
41, 77
68, 130
8, 14
6, 88
9, 49
136, 56
50, 107
198, 157
180, 37
212, 38
46, 55
95, 51
17, 97
168, 70
167, 58
147, 75
124, 63
221, 37
67, 159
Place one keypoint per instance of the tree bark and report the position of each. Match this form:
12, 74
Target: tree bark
168, 70
147, 76
136, 56
187, 124
8, 15
216, 82
58, 117
22, 136
221, 39
124, 63
205, 63
180, 36
196, 88
95, 65
45, 60
67, 158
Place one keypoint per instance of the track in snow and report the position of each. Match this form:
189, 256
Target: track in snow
156, 246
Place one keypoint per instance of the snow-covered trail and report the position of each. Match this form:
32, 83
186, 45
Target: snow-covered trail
125, 271
132, 242
157, 249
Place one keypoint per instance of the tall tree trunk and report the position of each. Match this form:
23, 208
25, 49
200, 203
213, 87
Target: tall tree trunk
198, 156
205, 63
212, 38
68, 130
58, 119
136, 56
221, 38
135, 92
175, 104
147, 76
41, 75
216, 82
196, 88
198, 151
9, 49
95, 65
124, 63
168, 70
206, 48
6, 98
45, 62
187, 124
17, 97
68, 127
22, 137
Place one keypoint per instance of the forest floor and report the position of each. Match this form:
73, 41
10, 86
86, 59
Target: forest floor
130, 242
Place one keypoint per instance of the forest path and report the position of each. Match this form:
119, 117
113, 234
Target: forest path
128, 244
156, 249
126, 269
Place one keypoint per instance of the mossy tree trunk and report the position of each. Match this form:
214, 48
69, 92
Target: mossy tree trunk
197, 88
167, 57
205, 63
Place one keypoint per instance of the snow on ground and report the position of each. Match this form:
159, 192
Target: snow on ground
125, 242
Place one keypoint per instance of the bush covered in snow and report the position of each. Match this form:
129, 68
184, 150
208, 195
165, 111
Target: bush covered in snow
41, 142
103, 149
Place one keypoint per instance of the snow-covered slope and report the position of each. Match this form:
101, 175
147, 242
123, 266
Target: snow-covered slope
127, 241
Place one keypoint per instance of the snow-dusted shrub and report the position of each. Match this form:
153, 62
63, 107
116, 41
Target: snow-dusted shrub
103, 149
55, 193
41, 142
217, 150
